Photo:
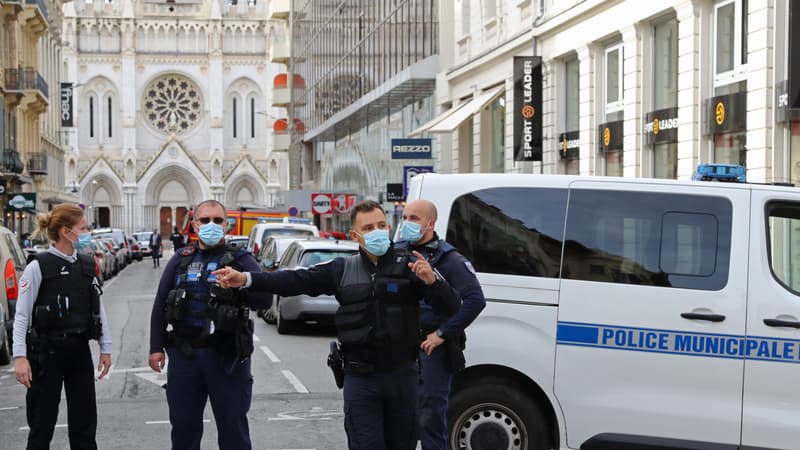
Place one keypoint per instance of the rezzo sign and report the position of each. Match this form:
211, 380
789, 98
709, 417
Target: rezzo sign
411, 149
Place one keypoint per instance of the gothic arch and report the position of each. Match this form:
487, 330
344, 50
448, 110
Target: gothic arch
243, 190
172, 173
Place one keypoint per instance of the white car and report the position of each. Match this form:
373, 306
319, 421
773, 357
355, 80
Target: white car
625, 313
285, 228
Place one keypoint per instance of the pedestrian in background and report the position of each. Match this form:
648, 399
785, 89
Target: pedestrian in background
58, 312
177, 240
155, 247
377, 322
442, 349
211, 337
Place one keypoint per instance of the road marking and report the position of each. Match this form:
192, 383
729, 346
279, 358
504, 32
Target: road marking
156, 378
256, 338
131, 369
10, 370
272, 357
8, 408
165, 422
298, 386
60, 425
3, 377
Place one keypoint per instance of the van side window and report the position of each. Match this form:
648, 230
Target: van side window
783, 243
670, 240
511, 230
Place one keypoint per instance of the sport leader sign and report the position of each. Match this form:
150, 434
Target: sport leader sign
327, 203
527, 108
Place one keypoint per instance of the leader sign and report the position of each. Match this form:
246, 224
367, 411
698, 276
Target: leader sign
66, 104
527, 108
411, 149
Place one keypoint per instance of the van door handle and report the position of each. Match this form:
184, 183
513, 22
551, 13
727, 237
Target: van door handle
701, 316
781, 323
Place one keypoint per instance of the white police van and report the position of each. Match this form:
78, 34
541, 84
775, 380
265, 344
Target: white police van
625, 313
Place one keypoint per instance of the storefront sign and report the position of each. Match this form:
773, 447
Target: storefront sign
66, 105
411, 149
726, 113
570, 144
610, 136
527, 108
18, 201
394, 192
783, 112
343, 202
410, 172
661, 126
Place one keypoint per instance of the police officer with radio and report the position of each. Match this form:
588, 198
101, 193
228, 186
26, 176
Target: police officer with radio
444, 334
211, 337
58, 312
377, 322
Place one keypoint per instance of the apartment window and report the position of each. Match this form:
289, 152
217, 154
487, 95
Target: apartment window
498, 123
730, 37
613, 76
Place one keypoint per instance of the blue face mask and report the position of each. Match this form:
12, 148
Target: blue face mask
211, 233
410, 231
83, 241
377, 242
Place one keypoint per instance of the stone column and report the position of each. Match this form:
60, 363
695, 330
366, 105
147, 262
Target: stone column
587, 60
760, 94
632, 99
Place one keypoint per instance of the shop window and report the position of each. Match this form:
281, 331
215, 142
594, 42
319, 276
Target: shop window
665, 161
613, 78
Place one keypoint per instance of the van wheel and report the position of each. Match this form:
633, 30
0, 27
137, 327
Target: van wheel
5, 348
495, 417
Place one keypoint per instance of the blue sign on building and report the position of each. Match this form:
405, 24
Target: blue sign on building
411, 149
410, 172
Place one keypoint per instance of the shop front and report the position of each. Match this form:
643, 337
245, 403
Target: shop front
726, 123
570, 152
661, 135
610, 138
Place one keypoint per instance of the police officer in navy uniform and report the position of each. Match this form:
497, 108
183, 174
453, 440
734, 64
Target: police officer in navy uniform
58, 312
444, 334
211, 337
377, 322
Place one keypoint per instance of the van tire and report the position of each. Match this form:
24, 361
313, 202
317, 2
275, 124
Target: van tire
493, 416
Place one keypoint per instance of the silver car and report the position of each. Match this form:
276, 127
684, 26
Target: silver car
289, 311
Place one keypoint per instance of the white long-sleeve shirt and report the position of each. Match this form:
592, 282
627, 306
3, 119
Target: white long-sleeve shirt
29, 290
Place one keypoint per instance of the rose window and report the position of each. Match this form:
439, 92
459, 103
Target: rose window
172, 103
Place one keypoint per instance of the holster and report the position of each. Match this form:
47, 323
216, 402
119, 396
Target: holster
336, 363
244, 340
175, 306
37, 352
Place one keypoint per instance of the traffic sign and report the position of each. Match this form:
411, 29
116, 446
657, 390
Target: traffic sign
293, 211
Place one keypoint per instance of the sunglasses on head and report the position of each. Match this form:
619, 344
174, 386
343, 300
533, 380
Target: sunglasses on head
205, 220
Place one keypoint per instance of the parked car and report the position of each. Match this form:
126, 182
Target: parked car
143, 238
288, 311
97, 263
236, 240
115, 254
136, 249
269, 257
119, 238
105, 258
12, 260
261, 231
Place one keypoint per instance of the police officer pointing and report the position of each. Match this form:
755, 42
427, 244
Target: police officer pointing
211, 338
377, 322
58, 312
444, 335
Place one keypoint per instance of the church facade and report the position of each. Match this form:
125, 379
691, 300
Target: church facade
171, 106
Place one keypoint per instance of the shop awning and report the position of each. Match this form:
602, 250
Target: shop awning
458, 115
428, 125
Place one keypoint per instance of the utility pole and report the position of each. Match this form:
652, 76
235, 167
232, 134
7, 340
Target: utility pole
294, 148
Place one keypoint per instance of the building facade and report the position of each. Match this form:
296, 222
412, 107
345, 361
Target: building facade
171, 106
630, 88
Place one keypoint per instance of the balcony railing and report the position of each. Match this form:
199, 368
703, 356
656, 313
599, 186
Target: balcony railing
40, 4
11, 162
33, 80
37, 165
13, 79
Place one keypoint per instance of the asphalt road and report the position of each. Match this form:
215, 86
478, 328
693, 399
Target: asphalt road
296, 404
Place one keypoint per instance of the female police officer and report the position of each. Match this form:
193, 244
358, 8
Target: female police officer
58, 311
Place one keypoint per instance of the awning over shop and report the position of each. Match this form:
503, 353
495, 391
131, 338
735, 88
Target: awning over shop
450, 120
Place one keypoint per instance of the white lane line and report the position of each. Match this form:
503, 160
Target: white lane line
8, 408
298, 386
10, 369
256, 338
131, 369
163, 422
3, 377
272, 357
60, 425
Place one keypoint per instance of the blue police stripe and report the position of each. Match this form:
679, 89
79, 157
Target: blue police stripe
711, 345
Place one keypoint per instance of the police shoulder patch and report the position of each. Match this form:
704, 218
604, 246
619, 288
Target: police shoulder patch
23, 285
469, 267
186, 251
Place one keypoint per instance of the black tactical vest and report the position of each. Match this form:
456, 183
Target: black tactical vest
378, 317
67, 297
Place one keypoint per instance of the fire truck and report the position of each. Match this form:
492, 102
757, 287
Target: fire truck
239, 222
